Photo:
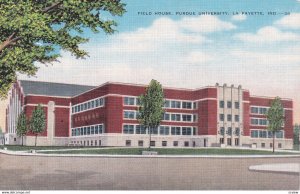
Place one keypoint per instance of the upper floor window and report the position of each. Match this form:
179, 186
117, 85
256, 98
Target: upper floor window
221, 103
229, 104
236, 105
187, 105
236, 118
175, 104
129, 101
229, 117
221, 117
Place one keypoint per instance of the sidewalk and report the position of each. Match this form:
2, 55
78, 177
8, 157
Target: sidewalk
293, 168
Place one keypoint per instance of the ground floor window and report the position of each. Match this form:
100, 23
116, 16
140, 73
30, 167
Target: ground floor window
236, 141
128, 143
175, 143
263, 145
92, 142
186, 144
95, 142
164, 143
152, 143
141, 143
99, 142
279, 145
221, 140
229, 141
271, 145
87, 143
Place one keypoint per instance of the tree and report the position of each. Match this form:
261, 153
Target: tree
151, 107
296, 135
36, 30
37, 122
22, 125
275, 117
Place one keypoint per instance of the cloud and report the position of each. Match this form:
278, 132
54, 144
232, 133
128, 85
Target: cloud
165, 32
268, 34
197, 57
291, 21
239, 17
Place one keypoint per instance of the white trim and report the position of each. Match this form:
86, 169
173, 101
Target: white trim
266, 97
244, 101
40, 95
45, 105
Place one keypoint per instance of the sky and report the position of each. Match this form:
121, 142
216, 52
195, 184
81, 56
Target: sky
253, 43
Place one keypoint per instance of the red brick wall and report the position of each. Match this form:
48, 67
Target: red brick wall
61, 122
114, 114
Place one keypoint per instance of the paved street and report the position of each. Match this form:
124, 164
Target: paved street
76, 173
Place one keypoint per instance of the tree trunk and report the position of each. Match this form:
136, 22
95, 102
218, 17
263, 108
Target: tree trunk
273, 141
149, 138
35, 140
22, 140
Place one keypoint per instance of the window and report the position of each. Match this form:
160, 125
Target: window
263, 145
164, 143
194, 105
175, 117
97, 103
229, 131
254, 110
229, 117
88, 105
99, 142
128, 143
96, 129
194, 130
221, 117
88, 130
92, 130
167, 103
236, 118
229, 104
237, 131
186, 131
254, 121
236, 105
95, 142
221, 140
93, 104
128, 101
152, 143
221, 103
164, 130
254, 133
128, 129
236, 141
175, 130
141, 143
92, 142
138, 101
187, 105
186, 144
279, 145
262, 122
166, 116
175, 104
222, 129
85, 130
279, 134
154, 131
229, 141
271, 145
87, 143
129, 114
262, 111
195, 118
187, 118
101, 129
139, 129
175, 143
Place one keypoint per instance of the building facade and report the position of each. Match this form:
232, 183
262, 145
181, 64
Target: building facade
106, 115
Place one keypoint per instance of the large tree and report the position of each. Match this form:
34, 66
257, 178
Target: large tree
151, 107
35, 30
22, 125
275, 117
37, 122
296, 135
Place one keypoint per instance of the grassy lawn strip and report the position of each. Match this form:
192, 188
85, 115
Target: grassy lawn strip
25, 148
168, 151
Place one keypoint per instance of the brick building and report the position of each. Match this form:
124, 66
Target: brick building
106, 115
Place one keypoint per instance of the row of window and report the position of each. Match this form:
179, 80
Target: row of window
236, 141
88, 105
161, 130
259, 121
86, 143
229, 131
130, 114
229, 117
88, 130
258, 133
259, 110
134, 101
229, 104
153, 143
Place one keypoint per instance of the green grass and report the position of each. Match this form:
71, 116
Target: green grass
25, 148
167, 151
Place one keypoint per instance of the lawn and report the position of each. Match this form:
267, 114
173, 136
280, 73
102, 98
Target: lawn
25, 148
167, 151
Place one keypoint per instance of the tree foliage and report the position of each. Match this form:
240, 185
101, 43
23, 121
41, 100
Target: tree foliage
151, 106
22, 125
38, 121
275, 117
35, 30
296, 134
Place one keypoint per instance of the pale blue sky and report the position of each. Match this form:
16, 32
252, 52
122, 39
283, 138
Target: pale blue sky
259, 52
